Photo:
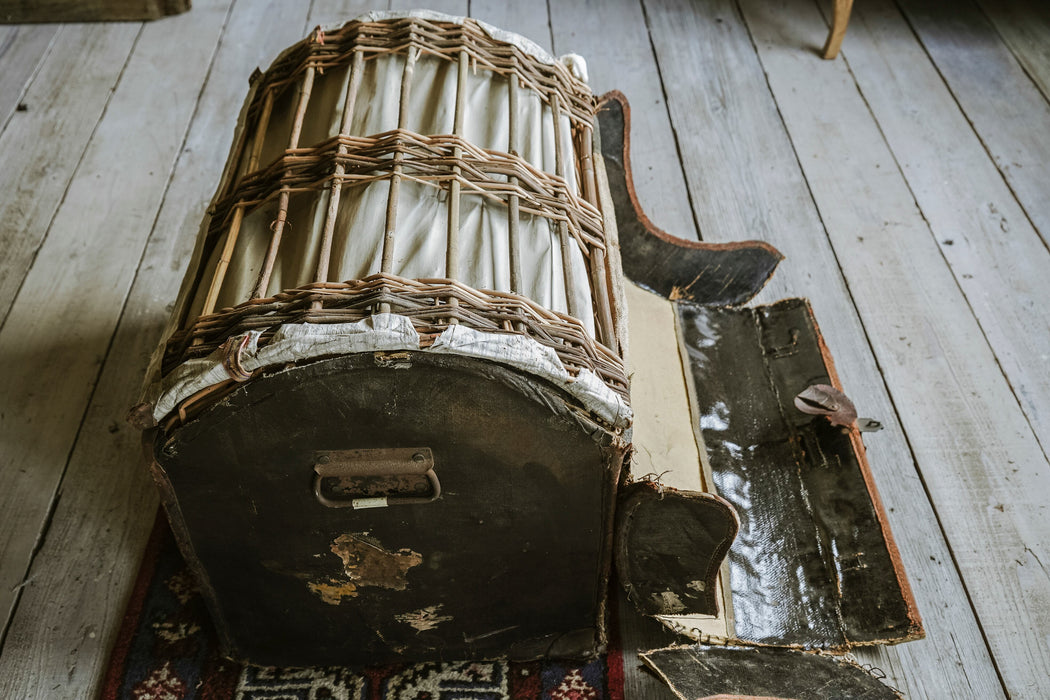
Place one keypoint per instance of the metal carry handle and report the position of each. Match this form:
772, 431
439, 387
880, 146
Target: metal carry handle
381, 462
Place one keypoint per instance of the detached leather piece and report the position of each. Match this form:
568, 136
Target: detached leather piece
709, 672
721, 274
669, 546
814, 563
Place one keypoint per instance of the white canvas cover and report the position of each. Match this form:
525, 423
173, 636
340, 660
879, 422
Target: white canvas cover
420, 230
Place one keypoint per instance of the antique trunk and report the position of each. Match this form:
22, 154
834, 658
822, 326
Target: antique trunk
391, 408
390, 418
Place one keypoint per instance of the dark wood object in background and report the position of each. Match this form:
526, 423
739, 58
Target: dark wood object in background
17, 11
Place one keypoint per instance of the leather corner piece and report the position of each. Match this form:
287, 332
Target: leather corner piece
716, 274
704, 672
669, 547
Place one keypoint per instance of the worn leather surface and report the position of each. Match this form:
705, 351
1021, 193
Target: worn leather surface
708, 672
814, 563
512, 559
706, 273
669, 546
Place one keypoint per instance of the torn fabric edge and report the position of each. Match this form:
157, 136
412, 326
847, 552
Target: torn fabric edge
295, 342
531, 356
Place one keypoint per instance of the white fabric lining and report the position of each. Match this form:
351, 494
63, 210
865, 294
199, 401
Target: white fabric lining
357, 243
421, 224
388, 332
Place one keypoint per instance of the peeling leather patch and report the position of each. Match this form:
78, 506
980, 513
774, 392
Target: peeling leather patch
425, 619
669, 601
365, 563
332, 591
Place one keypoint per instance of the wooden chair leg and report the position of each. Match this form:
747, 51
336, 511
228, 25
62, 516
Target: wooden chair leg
839, 20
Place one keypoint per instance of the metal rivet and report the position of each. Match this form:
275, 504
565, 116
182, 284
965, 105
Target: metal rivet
418, 457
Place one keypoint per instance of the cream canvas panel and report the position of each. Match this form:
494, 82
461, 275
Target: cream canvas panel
667, 445
664, 439
421, 222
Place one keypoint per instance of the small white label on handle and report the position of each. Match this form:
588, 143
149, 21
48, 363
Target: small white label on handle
369, 502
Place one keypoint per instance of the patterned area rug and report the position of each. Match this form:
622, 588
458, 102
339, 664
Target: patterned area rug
167, 650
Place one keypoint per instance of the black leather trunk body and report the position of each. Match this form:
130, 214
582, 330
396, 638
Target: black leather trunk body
513, 557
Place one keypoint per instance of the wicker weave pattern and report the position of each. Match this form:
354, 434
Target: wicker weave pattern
443, 40
449, 163
425, 159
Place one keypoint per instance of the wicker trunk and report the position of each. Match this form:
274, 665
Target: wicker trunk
391, 410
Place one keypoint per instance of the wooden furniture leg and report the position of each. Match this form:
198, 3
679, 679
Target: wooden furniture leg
839, 20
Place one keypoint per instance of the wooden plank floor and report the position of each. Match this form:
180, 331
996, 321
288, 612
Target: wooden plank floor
906, 181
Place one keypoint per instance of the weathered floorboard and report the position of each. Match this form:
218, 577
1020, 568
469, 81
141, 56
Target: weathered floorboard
108, 501
457, 8
746, 181
22, 50
61, 323
1006, 108
336, 11
525, 18
612, 37
1024, 25
41, 147
973, 445
996, 256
